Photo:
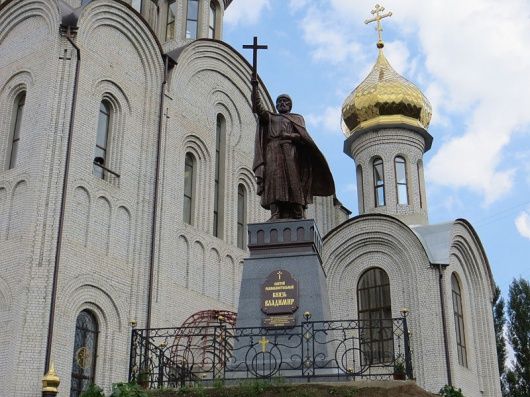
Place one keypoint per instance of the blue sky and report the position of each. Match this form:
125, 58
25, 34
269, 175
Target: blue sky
469, 57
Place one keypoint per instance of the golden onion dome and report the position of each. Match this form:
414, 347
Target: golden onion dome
385, 98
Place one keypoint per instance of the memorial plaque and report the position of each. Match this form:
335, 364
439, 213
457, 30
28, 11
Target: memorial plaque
282, 321
279, 293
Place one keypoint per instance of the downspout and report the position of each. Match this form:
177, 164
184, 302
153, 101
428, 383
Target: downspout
68, 33
444, 326
155, 198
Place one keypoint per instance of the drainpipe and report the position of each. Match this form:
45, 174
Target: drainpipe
69, 33
444, 326
155, 198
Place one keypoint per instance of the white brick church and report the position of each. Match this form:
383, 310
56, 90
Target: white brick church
126, 183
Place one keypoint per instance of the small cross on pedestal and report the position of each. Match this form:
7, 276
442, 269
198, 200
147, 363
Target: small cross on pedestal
263, 342
378, 12
279, 273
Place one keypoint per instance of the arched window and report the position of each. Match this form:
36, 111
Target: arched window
85, 347
170, 24
401, 180
375, 315
420, 179
211, 20
360, 188
189, 165
459, 320
219, 176
102, 140
137, 5
241, 216
379, 182
192, 17
18, 110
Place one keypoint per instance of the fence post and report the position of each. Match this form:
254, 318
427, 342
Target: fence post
408, 358
132, 354
160, 366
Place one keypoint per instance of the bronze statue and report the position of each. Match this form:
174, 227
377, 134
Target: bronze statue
289, 168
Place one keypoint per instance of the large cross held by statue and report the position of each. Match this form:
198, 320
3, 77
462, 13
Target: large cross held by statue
255, 47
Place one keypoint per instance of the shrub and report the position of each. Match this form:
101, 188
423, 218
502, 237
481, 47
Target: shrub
93, 391
127, 390
450, 391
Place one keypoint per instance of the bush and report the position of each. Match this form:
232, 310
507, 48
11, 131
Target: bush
450, 391
127, 390
93, 391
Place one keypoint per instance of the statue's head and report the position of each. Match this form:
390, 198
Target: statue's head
284, 104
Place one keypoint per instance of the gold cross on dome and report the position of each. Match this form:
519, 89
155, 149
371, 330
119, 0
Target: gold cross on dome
263, 342
378, 12
279, 273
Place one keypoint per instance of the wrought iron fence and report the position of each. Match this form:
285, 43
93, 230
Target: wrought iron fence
347, 349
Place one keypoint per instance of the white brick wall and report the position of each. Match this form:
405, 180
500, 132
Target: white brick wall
105, 255
382, 241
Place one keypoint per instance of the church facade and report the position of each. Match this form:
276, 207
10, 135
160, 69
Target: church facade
126, 148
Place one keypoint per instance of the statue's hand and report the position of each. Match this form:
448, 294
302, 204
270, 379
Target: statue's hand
293, 137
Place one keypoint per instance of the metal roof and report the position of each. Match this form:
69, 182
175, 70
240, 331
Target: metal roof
436, 240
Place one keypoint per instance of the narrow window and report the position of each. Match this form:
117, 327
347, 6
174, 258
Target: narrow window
375, 315
189, 166
459, 321
211, 20
137, 5
85, 347
219, 176
419, 166
401, 181
360, 188
170, 25
241, 216
379, 183
20, 100
192, 18
102, 141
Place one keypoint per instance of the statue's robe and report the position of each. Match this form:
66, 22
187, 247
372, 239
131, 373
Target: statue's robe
288, 170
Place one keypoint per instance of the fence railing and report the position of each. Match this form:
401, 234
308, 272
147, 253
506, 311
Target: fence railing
348, 349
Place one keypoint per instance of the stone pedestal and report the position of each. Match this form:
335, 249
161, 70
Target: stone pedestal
291, 245
278, 248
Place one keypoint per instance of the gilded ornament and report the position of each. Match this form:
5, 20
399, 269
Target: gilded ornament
384, 97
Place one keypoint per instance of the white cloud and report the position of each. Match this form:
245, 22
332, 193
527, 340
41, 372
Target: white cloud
522, 223
296, 5
472, 61
329, 120
398, 55
245, 11
330, 43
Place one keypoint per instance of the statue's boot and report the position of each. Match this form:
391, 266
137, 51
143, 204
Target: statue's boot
275, 212
297, 211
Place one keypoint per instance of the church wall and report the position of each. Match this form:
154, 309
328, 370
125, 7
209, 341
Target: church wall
196, 270
32, 60
468, 263
105, 251
105, 256
327, 212
380, 241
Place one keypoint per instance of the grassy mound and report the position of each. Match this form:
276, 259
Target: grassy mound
265, 389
